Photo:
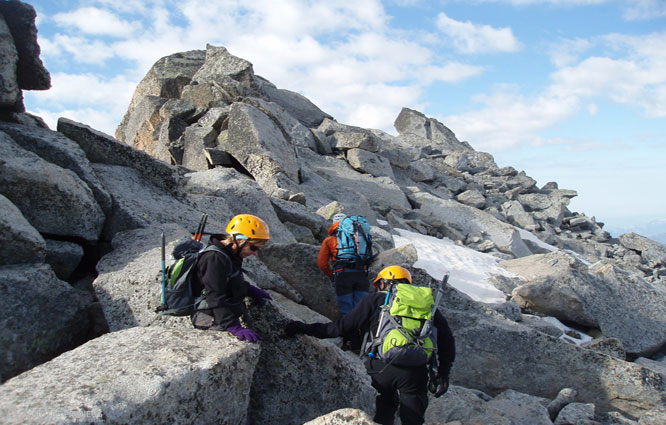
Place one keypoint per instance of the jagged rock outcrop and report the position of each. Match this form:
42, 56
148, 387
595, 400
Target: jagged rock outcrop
139, 375
41, 316
541, 364
65, 205
204, 134
599, 296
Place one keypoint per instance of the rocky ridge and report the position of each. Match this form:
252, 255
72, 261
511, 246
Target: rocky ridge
203, 133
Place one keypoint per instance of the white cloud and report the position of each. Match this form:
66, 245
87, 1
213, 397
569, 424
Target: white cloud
542, 2
507, 119
81, 49
468, 37
88, 89
636, 77
567, 52
87, 98
451, 72
644, 9
92, 20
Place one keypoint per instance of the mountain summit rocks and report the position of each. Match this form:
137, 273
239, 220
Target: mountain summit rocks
80, 260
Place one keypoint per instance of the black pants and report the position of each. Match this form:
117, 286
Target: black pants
404, 387
350, 287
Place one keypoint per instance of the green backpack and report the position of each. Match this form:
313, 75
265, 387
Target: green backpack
405, 335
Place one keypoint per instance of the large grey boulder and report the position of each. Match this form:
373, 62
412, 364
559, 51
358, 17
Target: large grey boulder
653, 253
166, 78
369, 162
541, 365
57, 149
413, 123
10, 93
346, 140
128, 284
139, 375
63, 257
472, 220
470, 161
19, 241
467, 406
176, 115
297, 264
142, 124
559, 285
53, 199
295, 132
139, 203
631, 309
326, 179
225, 75
297, 105
298, 214
516, 214
259, 145
398, 152
20, 19
301, 378
343, 416
494, 354
196, 141
104, 149
40, 317
224, 192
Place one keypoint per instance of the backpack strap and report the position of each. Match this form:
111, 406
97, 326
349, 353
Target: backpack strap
214, 248
201, 299
368, 242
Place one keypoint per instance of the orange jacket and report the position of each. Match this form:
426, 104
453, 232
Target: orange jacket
328, 250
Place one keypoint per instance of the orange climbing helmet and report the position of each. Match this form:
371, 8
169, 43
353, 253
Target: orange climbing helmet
393, 273
247, 226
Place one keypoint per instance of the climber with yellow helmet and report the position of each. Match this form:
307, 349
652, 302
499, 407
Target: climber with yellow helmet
218, 273
401, 379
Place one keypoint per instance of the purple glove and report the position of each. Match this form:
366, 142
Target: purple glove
259, 295
244, 334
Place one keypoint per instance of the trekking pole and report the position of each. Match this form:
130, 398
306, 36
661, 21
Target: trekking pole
163, 305
438, 297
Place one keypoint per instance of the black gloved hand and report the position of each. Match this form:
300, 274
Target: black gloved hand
442, 386
295, 327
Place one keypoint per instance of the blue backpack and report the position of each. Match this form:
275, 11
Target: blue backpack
354, 243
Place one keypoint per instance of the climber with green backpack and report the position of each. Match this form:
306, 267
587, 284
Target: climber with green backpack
408, 343
207, 282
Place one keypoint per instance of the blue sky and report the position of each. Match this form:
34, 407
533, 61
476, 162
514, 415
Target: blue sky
571, 91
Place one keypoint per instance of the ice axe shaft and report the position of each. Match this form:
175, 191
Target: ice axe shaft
202, 225
438, 297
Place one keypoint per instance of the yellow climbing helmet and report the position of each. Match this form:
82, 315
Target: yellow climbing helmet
247, 226
393, 273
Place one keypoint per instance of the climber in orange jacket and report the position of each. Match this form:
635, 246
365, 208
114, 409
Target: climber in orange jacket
351, 284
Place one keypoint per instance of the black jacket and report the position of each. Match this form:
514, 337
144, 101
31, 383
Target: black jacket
365, 316
222, 279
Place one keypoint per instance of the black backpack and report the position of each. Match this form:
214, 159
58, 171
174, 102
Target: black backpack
178, 296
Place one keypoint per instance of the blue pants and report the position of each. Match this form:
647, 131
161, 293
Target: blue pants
350, 287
